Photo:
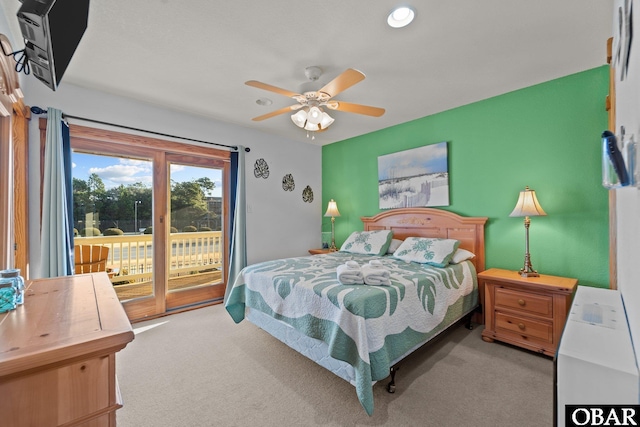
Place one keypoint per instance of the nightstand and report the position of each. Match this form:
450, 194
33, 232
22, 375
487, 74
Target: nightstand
320, 251
529, 312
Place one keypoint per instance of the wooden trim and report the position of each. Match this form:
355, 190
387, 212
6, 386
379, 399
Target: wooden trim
114, 137
162, 224
6, 195
20, 133
14, 136
613, 225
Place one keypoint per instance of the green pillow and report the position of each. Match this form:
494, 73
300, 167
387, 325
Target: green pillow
423, 250
368, 242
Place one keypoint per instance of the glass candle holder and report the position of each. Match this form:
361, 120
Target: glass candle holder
13, 274
7, 295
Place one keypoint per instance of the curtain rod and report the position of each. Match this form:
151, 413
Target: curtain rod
38, 110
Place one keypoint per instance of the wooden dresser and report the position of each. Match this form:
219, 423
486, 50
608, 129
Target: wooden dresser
529, 312
58, 354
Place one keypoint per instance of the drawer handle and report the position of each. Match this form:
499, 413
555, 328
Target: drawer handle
521, 326
521, 302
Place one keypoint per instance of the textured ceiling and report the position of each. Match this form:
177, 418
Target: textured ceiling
194, 56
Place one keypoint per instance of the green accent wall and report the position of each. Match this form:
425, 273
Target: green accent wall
545, 136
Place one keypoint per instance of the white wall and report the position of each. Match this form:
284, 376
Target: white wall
628, 199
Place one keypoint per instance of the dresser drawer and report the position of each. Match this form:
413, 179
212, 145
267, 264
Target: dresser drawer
524, 326
524, 301
64, 394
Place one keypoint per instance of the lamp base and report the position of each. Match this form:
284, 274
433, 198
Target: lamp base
524, 273
527, 270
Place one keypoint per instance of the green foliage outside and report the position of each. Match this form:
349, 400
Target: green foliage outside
129, 207
149, 230
112, 232
88, 232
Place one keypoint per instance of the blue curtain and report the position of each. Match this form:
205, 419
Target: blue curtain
56, 251
238, 220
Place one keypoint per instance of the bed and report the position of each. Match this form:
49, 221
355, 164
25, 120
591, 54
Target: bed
362, 332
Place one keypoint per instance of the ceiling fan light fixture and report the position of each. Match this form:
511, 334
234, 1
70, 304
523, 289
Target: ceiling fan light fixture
299, 118
313, 127
315, 115
326, 120
308, 113
400, 17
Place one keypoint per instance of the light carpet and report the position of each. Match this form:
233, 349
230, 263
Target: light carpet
198, 368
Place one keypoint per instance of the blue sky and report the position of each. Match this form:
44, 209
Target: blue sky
117, 170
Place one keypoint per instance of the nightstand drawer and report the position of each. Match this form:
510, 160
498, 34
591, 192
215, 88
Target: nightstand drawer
525, 327
524, 301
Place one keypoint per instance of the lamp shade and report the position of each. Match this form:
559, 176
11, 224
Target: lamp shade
528, 204
315, 115
299, 118
332, 209
326, 120
311, 126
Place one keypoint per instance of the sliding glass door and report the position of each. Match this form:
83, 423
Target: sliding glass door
196, 238
112, 209
160, 209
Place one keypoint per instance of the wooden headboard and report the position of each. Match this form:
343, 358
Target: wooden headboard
429, 222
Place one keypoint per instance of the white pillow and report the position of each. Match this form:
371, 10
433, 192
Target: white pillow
395, 244
368, 242
423, 250
461, 255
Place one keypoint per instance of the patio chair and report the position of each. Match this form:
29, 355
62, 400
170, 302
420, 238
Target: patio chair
90, 259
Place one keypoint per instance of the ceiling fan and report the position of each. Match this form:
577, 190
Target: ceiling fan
310, 115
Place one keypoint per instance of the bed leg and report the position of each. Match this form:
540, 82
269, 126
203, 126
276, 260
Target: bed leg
391, 387
467, 323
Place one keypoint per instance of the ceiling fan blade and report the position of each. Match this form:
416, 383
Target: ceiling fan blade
277, 112
271, 88
343, 82
349, 107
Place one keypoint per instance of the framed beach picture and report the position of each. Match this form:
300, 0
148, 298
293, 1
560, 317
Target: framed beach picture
414, 178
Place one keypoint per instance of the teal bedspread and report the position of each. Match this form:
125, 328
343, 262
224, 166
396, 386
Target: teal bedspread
365, 326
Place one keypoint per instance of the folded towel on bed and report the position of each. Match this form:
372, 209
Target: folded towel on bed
375, 274
350, 273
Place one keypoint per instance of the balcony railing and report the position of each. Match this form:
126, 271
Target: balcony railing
131, 255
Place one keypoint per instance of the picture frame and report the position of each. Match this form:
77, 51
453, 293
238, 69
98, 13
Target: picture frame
418, 177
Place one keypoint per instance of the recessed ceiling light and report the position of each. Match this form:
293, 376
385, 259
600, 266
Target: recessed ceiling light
400, 17
264, 101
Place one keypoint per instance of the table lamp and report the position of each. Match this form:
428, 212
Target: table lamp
527, 206
332, 211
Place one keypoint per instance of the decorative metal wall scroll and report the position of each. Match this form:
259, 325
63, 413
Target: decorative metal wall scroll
307, 194
287, 182
261, 169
